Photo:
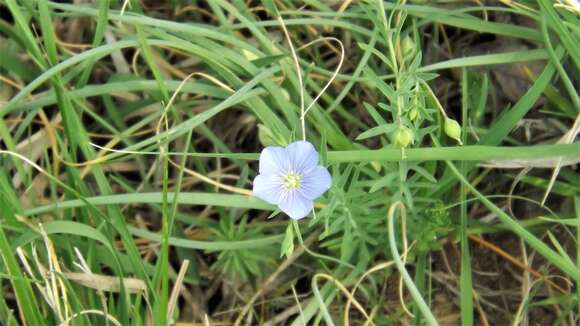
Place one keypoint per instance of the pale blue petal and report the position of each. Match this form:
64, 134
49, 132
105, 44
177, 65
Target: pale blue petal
314, 183
295, 205
274, 160
268, 188
303, 156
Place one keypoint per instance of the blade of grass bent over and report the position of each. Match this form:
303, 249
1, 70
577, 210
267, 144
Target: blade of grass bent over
551, 255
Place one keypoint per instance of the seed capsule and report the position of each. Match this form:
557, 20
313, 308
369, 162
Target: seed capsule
453, 129
407, 46
414, 114
402, 137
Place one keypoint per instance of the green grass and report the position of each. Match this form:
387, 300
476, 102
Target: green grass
76, 79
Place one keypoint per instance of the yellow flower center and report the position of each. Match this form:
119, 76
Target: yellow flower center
292, 181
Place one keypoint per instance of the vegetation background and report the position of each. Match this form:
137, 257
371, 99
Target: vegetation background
130, 130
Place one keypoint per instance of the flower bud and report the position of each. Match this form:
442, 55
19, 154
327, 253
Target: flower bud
453, 129
407, 46
413, 114
402, 137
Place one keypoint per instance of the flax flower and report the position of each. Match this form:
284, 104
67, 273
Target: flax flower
291, 178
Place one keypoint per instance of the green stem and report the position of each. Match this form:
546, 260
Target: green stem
401, 267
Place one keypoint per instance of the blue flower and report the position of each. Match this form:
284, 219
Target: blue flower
291, 178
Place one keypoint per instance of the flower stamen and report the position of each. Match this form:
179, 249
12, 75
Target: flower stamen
292, 181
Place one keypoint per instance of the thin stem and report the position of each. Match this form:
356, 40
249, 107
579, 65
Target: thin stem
401, 267
333, 77
304, 111
299, 73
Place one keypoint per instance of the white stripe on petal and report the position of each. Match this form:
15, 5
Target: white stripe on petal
303, 156
269, 188
295, 205
274, 160
314, 183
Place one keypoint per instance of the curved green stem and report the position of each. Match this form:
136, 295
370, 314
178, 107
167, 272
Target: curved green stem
401, 267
